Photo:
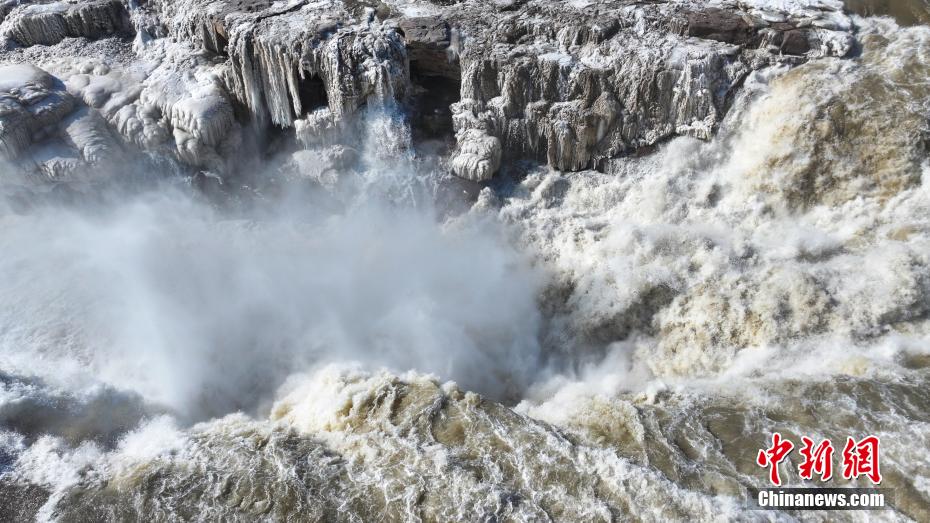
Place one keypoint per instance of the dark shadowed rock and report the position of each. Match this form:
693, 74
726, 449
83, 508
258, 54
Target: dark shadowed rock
425, 33
723, 26
428, 40
796, 42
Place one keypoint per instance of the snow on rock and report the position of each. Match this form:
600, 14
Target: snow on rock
478, 155
50, 23
573, 85
88, 133
194, 106
32, 102
289, 59
270, 65
172, 101
569, 84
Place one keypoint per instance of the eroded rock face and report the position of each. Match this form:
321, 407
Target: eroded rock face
722, 25
50, 23
288, 61
571, 85
565, 85
431, 44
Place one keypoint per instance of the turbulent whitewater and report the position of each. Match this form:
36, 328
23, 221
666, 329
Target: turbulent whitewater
520, 260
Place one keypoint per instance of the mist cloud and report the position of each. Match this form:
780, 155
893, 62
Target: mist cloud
204, 313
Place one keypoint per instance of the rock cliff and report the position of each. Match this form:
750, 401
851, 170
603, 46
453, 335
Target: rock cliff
568, 84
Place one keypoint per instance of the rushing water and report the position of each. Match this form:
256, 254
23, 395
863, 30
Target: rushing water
906, 12
579, 347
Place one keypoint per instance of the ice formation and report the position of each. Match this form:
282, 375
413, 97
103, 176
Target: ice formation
46, 23
612, 80
32, 106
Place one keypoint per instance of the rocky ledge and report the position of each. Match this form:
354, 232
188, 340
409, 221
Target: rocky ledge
571, 84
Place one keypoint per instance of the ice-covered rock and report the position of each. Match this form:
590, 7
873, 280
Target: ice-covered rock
178, 104
323, 167
198, 111
88, 133
50, 23
115, 95
289, 60
477, 157
276, 77
5, 7
573, 85
32, 103
568, 84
